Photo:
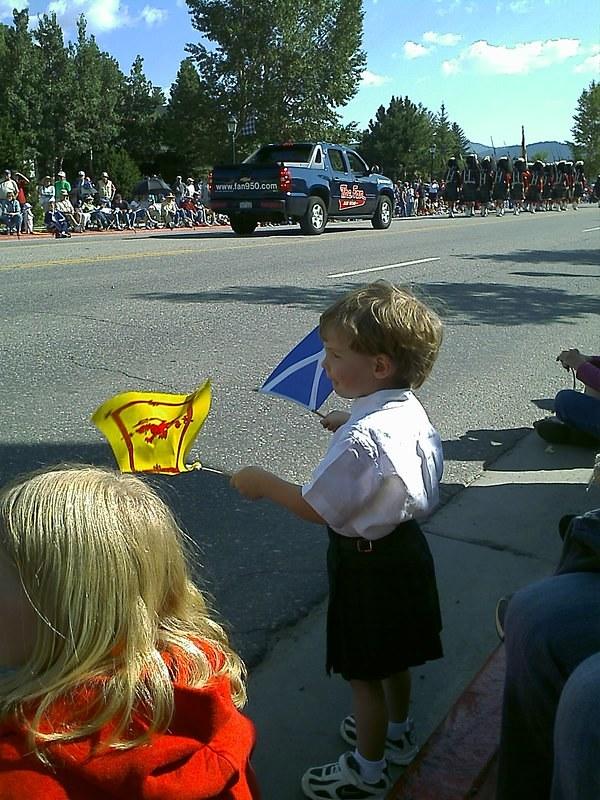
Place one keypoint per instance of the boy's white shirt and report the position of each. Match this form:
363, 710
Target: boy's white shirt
383, 467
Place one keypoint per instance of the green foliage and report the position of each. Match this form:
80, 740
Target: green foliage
586, 129
56, 76
406, 140
123, 170
399, 138
187, 126
141, 111
291, 62
96, 98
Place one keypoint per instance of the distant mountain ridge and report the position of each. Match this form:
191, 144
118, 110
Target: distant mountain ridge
555, 151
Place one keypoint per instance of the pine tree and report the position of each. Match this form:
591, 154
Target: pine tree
20, 96
55, 129
399, 138
143, 105
188, 124
95, 103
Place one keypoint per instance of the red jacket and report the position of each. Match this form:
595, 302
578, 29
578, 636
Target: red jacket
204, 754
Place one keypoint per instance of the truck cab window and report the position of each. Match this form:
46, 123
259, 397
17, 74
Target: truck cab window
336, 160
357, 165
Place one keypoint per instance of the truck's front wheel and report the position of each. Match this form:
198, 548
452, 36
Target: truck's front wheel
382, 218
243, 226
315, 219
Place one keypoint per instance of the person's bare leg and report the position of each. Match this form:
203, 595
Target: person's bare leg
370, 713
397, 695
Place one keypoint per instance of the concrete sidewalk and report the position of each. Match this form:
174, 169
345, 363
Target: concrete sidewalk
498, 534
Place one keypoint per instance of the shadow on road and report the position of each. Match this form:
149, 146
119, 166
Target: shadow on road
583, 257
457, 303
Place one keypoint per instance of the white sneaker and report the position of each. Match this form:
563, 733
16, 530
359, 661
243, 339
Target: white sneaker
342, 779
397, 751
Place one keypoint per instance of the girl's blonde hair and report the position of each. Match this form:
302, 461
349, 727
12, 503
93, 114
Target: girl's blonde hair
100, 558
383, 318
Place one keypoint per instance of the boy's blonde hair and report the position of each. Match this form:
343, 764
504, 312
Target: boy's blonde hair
383, 318
100, 558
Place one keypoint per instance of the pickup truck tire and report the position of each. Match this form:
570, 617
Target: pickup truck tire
243, 226
382, 218
314, 220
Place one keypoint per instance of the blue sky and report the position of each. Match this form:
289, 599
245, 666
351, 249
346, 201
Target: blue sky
495, 64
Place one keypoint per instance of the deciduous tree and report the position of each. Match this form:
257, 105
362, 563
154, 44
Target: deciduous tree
586, 129
291, 63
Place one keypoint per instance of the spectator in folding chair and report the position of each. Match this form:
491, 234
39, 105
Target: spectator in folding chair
109, 213
190, 212
56, 222
99, 218
12, 215
65, 206
138, 214
154, 209
121, 211
170, 213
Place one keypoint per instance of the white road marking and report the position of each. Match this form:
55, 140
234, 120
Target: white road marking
386, 266
587, 230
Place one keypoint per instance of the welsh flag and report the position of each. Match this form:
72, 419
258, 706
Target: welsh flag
153, 431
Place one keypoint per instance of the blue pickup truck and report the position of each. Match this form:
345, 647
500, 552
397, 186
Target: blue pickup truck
305, 182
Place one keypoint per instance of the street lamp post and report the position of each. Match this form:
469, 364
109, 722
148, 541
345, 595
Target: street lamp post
432, 154
232, 128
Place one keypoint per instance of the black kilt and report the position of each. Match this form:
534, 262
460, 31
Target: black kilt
500, 191
469, 192
384, 614
451, 192
516, 191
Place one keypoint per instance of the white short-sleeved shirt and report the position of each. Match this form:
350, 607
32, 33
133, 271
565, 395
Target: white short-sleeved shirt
382, 467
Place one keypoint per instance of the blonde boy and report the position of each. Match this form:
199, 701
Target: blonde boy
379, 475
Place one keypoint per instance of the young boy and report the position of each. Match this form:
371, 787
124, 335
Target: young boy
380, 473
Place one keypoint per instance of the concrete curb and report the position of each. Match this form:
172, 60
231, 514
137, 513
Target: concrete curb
498, 534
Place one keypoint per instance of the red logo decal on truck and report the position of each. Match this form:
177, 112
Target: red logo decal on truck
351, 197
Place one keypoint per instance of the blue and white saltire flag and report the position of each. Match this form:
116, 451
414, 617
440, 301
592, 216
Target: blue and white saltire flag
300, 376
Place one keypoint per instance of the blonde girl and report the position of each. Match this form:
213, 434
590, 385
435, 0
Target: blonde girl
116, 681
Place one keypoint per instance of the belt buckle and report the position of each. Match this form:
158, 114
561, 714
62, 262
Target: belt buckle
364, 545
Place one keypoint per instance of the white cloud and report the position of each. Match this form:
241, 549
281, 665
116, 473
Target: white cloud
591, 64
414, 50
58, 7
369, 78
6, 7
153, 16
106, 15
518, 59
444, 39
451, 67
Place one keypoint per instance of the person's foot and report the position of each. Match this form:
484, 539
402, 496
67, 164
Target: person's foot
397, 751
554, 431
342, 779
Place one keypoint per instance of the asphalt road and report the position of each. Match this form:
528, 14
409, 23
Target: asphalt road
86, 318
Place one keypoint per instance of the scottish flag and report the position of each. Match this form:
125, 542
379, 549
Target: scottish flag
300, 376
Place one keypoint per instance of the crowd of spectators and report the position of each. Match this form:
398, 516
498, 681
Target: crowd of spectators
80, 206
